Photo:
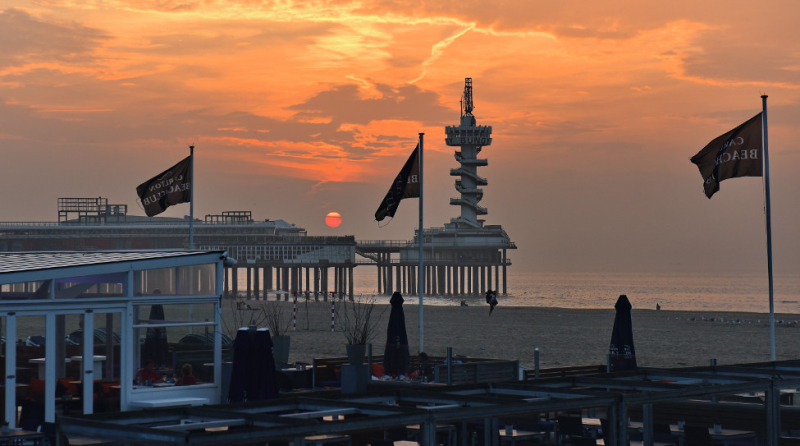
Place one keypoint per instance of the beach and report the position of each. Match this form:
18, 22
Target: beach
564, 337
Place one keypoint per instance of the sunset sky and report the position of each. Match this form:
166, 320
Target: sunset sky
300, 108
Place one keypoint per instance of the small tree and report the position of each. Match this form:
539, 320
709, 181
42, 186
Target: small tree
256, 313
358, 325
277, 321
243, 314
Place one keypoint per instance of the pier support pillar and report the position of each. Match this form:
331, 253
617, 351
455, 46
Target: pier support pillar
505, 275
235, 280
351, 271
256, 273
227, 284
323, 275
249, 282
380, 275
449, 280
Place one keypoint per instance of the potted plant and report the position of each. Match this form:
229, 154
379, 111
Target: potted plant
278, 324
359, 326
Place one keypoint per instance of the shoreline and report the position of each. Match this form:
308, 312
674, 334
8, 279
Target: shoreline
564, 336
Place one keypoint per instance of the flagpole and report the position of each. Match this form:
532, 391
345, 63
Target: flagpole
191, 198
421, 238
769, 231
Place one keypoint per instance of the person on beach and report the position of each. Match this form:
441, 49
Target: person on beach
491, 299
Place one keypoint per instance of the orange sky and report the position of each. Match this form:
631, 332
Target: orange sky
300, 108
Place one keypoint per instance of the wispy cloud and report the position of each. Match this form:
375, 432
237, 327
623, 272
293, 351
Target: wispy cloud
437, 50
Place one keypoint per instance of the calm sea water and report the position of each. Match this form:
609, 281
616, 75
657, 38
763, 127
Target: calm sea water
673, 291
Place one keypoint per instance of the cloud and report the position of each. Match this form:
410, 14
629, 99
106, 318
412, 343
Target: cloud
728, 58
343, 104
24, 39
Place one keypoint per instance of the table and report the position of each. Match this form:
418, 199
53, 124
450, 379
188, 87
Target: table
724, 435
41, 363
518, 434
18, 436
319, 440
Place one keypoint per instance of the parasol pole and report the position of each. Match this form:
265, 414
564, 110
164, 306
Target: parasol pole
421, 238
769, 230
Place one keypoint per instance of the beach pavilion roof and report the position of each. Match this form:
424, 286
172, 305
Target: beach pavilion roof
18, 267
643, 392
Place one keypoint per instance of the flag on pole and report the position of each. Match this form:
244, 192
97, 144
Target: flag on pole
405, 185
173, 186
735, 154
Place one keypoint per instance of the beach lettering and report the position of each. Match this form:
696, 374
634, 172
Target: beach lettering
162, 183
182, 187
737, 155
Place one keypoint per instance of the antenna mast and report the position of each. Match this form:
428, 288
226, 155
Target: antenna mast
468, 97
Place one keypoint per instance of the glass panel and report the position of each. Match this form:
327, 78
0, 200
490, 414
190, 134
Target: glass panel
100, 286
184, 280
172, 314
30, 370
155, 282
164, 353
203, 279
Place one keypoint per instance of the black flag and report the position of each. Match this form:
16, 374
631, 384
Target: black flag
734, 154
405, 185
170, 187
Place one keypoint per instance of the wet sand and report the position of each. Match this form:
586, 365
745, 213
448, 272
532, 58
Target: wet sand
565, 337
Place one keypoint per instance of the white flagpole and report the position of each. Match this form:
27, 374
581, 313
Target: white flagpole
191, 199
421, 238
769, 230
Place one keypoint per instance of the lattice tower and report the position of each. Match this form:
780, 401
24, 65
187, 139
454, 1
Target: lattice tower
471, 138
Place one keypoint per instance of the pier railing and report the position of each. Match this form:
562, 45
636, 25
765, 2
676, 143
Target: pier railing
435, 262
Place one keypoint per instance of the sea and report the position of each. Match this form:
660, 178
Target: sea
730, 292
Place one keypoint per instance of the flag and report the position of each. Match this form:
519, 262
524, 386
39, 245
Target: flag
735, 154
405, 185
173, 186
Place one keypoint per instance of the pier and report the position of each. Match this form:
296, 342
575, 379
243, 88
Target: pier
463, 258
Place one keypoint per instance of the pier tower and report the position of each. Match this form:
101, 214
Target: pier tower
471, 139
465, 257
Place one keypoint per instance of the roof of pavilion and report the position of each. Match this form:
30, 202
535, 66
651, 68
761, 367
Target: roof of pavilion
17, 267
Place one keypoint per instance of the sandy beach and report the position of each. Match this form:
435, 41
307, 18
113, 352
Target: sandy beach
565, 337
